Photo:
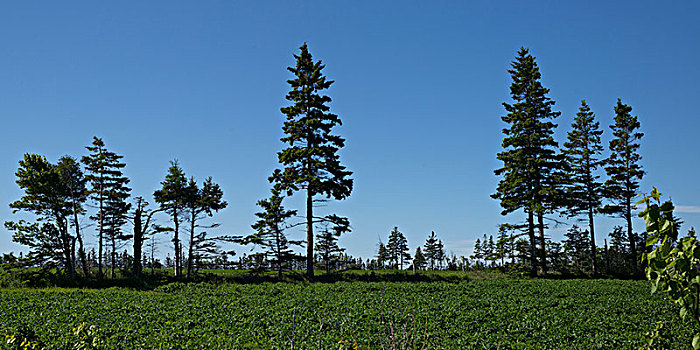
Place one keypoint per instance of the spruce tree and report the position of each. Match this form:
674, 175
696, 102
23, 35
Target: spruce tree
582, 154
269, 232
431, 249
624, 170
311, 160
104, 175
419, 260
397, 247
531, 165
172, 197
327, 244
382, 255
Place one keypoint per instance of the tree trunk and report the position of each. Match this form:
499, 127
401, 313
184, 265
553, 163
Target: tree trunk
138, 242
113, 255
630, 234
191, 245
594, 267
309, 234
66, 247
533, 243
543, 249
81, 247
176, 241
100, 273
607, 257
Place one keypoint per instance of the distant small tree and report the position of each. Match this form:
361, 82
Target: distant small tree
419, 260
397, 246
478, 253
434, 250
576, 247
327, 239
382, 255
269, 232
143, 227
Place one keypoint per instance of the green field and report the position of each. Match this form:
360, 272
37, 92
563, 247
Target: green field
512, 314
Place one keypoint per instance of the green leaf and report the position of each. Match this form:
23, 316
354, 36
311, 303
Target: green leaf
696, 341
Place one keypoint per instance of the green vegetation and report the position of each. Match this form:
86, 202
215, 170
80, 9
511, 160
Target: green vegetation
512, 314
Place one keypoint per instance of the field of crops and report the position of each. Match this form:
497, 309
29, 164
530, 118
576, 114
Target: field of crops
512, 314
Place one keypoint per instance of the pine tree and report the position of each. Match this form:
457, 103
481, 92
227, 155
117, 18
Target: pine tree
624, 170
269, 232
311, 161
382, 255
397, 247
581, 153
116, 209
478, 252
419, 260
103, 173
172, 198
531, 165
432, 249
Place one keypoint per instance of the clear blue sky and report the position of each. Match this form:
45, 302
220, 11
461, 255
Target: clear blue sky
419, 87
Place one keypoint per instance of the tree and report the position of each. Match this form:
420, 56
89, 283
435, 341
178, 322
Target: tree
434, 250
74, 181
419, 260
115, 209
48, 197
143, 227
531, 165
103, 173
478, 252
382, 255
397, 247
576, 247
269, 232
311, 162
581, 153
171, 198
327, 244
624, 170
199, 202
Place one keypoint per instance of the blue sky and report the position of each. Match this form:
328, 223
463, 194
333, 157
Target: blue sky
419, 87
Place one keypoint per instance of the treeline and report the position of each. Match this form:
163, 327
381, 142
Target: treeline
540, 178
60, 194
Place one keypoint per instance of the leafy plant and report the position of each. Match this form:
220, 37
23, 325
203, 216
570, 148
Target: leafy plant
672, 264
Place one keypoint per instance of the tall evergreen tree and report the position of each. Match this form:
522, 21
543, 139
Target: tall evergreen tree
104, 175
311, 161
531, 165
582, 154
397, 247
172, 197
269, 232
624, 170
433, 250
